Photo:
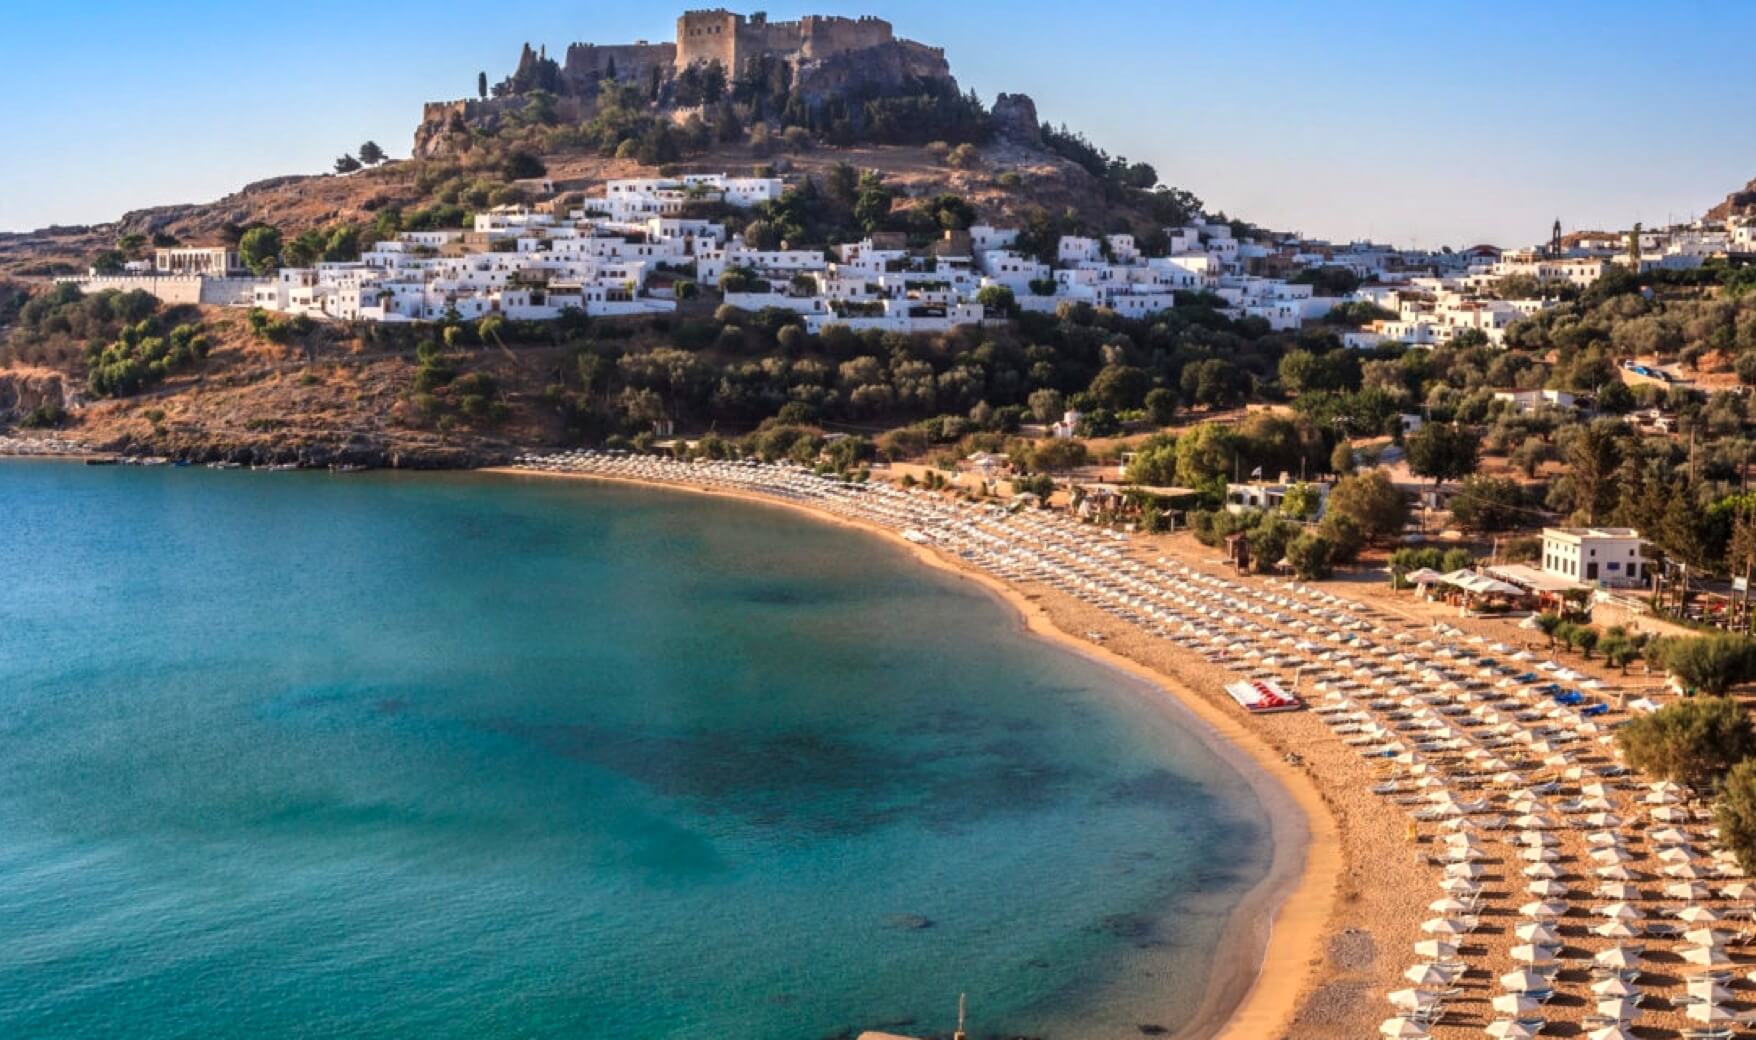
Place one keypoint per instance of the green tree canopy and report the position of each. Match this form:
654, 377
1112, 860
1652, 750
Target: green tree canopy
1443, 451
1692, 741
1371, 502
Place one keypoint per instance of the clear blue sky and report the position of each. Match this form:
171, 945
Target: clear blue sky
1415, 123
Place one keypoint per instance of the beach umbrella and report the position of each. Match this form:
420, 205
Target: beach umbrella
1448, 905
1402, 1029
1614, 872
1617, 957
1546, 887
1704, 936
1515, 1004
1541, 870
1615, 1032
1670, 814
1530, 953
1428, 975
1616, 930
1618, 890
1708, 989
1739, 890
1688, 871
1413, 999
1435, 949
1690, 890
1538, 932
1711, 1013
1523, 981
1448, 926
1540, 910
1457, 884
1698, 914
1620, 911
1709, 957
1621, 1009
1615, 986
1510, 1029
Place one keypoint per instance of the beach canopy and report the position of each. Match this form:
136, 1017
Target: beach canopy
1615, 1032
1515, 1004
1423, 576
1523, 981
1510, 1029
1402, 1028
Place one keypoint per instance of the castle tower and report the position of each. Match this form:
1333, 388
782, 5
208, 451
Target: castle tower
704, 36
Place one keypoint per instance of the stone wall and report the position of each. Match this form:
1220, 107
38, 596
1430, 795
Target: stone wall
824, 36
175, 289
588, 62
707, 36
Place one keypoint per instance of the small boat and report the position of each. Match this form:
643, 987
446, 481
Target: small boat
350, 467
107, 460
225, 465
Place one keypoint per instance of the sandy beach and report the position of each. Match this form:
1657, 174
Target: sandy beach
1280, 935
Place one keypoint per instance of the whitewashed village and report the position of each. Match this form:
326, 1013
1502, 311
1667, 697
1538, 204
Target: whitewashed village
626, 251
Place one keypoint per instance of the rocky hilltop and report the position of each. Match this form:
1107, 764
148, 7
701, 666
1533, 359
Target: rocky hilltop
717, 57
1740, 203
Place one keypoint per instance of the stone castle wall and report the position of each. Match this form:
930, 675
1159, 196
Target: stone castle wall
588, 62
731, 39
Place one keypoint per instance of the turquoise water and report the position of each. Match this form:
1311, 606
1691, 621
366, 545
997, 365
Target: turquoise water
293, 755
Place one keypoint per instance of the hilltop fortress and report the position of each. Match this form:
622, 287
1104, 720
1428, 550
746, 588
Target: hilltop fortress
819, 55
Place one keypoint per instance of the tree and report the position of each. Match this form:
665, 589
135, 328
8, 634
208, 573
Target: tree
1735, 812
1593, 453
1055, 456
1120, 387
522, 165
1309, 554
482, 85
1371, 502
1443, 452
1046, 404
964, 157
1712, 664
371, 154
1300, 502
1549, 624
259, 249
347, 164
1341, 459
997, 300
1161, 406
1692, 741
1485, 504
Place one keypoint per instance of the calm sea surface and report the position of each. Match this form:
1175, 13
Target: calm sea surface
294, 755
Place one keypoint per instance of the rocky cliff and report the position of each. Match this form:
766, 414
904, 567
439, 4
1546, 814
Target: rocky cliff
1740, 203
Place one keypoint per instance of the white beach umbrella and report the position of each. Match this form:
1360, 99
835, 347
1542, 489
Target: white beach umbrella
1523, 981
1428, 975
1698, 914
1512, 1029
1621, 1009
1615, 986
1620, 911
1707, 989
1690, 890
1615, 1032
1515, 1004
1448, 905
1617, 957
1530, 953
1446, 926
1436, 949
1546, 887
1616, 930
1542, 910
1402, 1029
1413, 999
1541, 870
1618, 890
1711, 1013
1704, 937
1541, 933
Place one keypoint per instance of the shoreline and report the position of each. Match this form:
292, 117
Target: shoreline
1277, 930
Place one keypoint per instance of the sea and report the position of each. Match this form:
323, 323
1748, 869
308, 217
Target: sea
472, 756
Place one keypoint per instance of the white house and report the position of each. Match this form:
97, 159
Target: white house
1603, 555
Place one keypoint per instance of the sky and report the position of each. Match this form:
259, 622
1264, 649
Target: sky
1417, 124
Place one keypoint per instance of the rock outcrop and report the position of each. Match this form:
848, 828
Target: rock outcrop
1015, 120
1741, 203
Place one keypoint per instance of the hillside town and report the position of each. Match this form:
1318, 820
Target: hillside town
632, 249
